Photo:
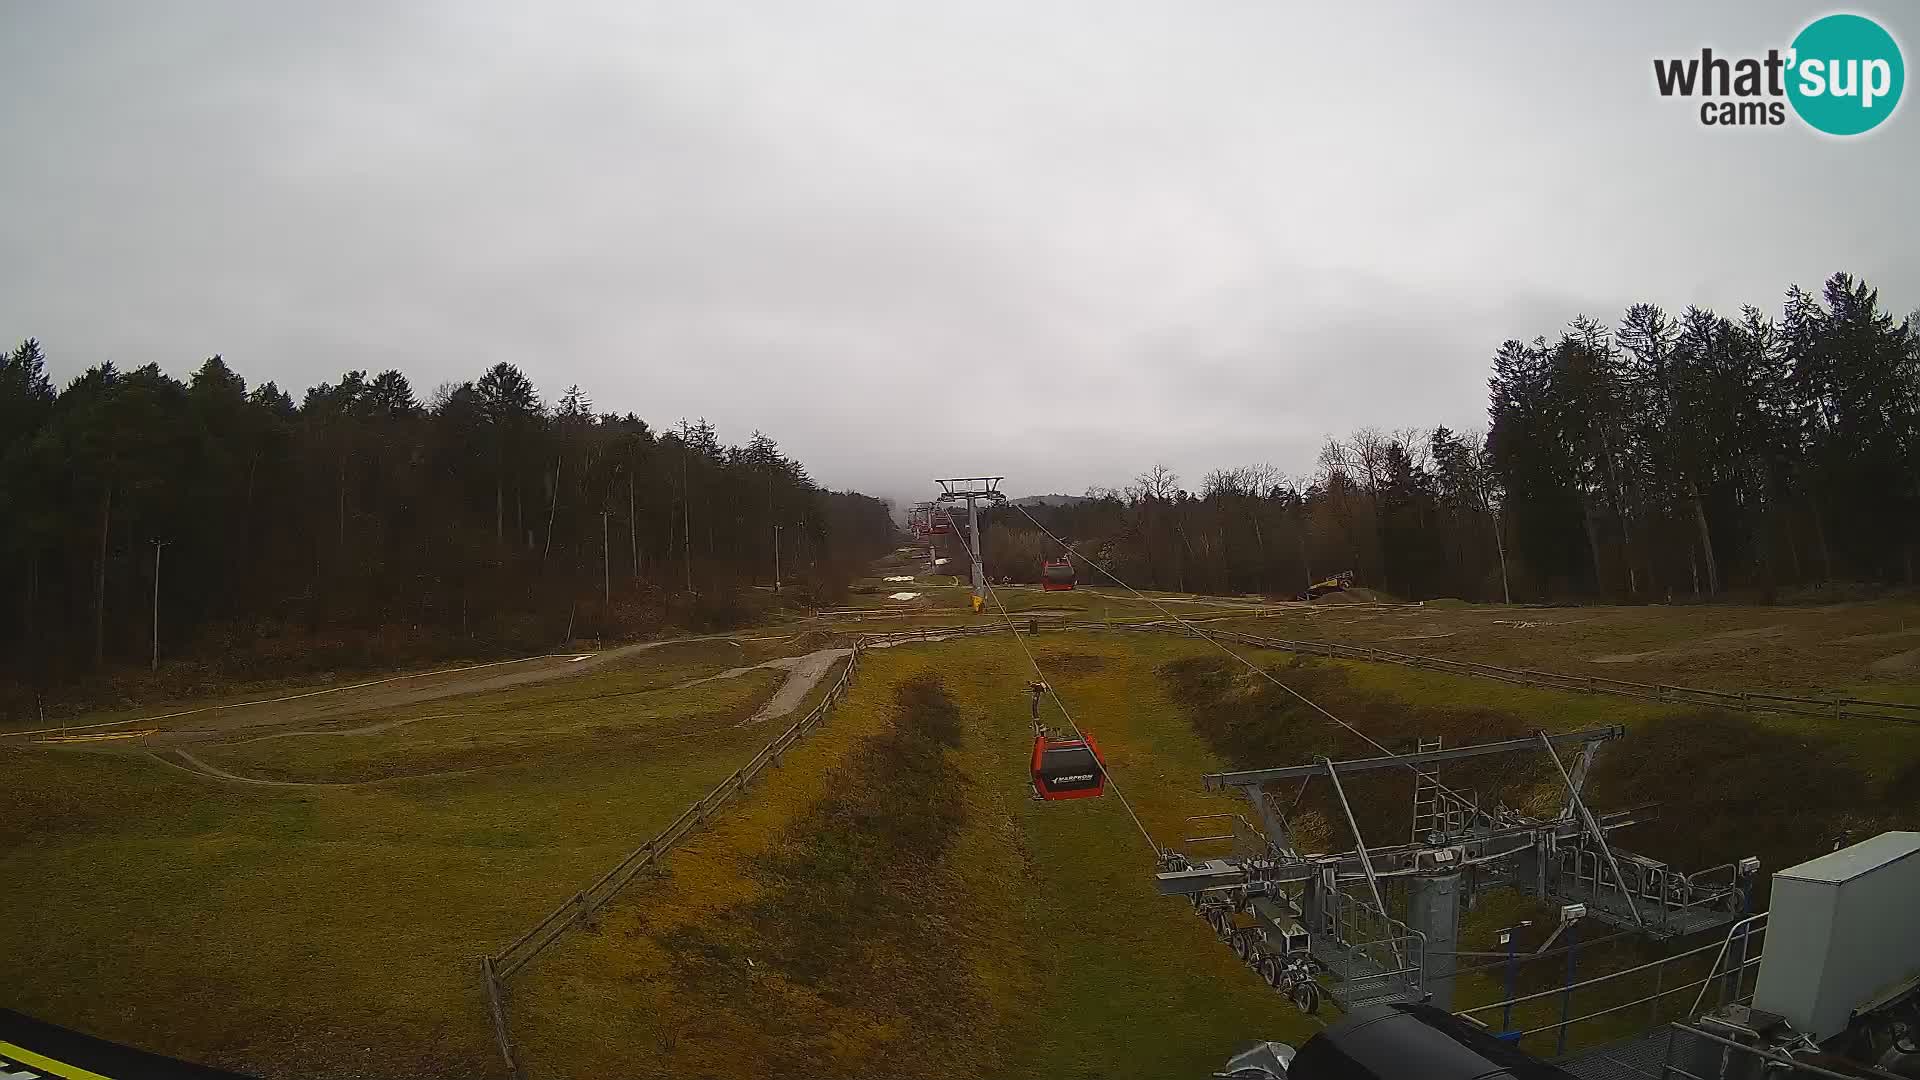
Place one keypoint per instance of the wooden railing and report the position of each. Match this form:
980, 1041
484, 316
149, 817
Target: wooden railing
497, 968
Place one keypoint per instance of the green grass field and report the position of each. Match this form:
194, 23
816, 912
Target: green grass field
1042, 932
334, 931
637, 708
1867, 648
888, 902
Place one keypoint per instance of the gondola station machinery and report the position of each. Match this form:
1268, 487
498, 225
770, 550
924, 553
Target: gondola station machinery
1271, 901
1837, 993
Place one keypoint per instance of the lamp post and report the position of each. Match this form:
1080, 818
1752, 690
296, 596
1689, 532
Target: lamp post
1506, 938
1570, 915
1746, 873
157, 545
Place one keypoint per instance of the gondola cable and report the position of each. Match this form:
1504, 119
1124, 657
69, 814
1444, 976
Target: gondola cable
1041, 676
1255, 668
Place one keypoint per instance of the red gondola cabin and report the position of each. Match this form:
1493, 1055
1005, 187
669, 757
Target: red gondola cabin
1056, 575
1068, 768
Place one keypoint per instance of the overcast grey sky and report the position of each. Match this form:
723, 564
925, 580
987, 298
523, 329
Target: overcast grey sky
1055, 241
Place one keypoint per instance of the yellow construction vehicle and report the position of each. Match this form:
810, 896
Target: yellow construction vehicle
1339, 582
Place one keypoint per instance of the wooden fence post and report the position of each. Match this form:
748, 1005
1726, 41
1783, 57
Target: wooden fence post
498, 1012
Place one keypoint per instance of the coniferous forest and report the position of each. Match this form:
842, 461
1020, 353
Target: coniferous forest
254, 535
1667, 458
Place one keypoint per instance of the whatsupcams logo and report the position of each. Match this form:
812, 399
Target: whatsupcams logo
1842, 75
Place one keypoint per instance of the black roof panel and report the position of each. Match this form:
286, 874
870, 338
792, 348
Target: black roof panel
1409, 1041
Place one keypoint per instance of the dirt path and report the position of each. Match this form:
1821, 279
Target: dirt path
1898, 662
1887, 635
804, 672
375, 695
185, 762
216, 723
1236, 602
370, 729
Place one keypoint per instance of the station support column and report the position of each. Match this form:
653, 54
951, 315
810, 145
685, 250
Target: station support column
1433, 909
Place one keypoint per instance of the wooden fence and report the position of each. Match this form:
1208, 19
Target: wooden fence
497, 968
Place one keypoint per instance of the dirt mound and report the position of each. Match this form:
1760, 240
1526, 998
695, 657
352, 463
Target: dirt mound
1351, 596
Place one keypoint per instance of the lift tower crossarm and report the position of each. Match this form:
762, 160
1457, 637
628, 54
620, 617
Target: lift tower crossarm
975, 490
1218, 781
985, 488
1396, 860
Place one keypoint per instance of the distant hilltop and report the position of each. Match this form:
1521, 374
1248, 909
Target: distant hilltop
1051, 500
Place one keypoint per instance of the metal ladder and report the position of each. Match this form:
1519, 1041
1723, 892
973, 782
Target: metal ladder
1427, 815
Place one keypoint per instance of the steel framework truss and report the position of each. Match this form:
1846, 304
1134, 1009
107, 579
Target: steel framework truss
1288, 911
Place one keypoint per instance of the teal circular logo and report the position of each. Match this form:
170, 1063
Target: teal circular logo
1845, 74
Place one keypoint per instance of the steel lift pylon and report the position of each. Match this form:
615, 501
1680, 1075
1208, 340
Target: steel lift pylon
920, 521
1287, 911
975, 490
